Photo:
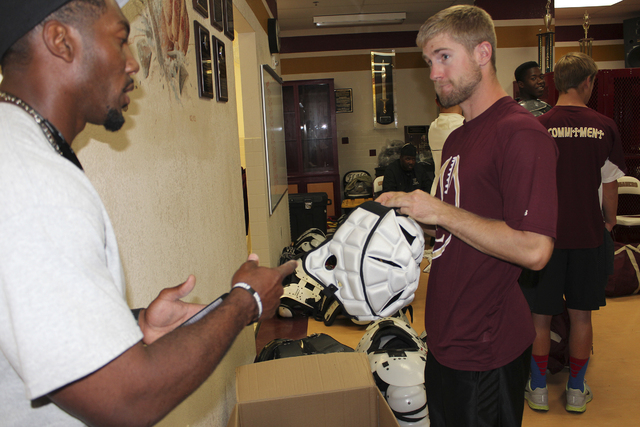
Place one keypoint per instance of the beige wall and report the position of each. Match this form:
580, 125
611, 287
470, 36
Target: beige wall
171, 181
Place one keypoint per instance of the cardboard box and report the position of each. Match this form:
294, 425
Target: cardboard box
321, 390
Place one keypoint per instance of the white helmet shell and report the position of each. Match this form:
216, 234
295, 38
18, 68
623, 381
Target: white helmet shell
409, 404
391, 333
403, 368
399, 374
301, 294
377, 259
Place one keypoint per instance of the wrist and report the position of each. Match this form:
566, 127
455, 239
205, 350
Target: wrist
256, 298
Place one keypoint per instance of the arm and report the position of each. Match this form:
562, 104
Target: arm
610, 203
146, 382
492, 237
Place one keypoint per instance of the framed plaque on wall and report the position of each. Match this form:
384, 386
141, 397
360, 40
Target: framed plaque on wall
384, 99
228, 19
216, 14
203, 60
201, 7
220, 70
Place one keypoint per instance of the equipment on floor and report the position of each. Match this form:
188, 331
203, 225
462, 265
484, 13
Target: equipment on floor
357, 184
313, 344
308, 241
399, 374
302, 295
370, 268
307, 210
625, 279
398, 356
391, 333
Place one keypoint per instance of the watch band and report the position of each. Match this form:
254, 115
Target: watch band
255, 295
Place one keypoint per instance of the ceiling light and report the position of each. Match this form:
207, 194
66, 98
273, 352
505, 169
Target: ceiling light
560, 4
360, 19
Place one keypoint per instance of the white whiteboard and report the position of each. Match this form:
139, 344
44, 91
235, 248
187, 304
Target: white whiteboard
275, 149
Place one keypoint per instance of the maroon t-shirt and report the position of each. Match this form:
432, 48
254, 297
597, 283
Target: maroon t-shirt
500, 165
585, 139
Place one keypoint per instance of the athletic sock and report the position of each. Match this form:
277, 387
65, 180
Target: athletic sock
539, 371
578, 370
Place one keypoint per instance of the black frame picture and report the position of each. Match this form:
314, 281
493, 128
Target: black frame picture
202, 7
228, 19
203, 60
220, 69
344, 100
216, 14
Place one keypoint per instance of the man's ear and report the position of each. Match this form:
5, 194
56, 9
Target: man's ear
586, 83
483, 53
60, 40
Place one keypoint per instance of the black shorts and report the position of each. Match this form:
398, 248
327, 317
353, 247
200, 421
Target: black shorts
474, 399
578, 275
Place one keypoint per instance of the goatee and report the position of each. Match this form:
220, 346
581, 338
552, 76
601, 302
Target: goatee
114, 120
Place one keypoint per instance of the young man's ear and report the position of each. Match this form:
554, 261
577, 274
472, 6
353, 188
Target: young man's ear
483, 52
60, 40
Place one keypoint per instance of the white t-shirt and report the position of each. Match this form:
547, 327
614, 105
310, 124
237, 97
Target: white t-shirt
610, 173
439, 131
63, 312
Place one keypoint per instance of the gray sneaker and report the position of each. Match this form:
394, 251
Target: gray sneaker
537, 398
577, 400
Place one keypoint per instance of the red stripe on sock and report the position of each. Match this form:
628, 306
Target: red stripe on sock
542, 362
576, 365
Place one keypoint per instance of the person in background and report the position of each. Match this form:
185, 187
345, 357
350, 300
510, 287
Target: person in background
447, 121
531, 87
495, 211
405, 174
71, 351
578, 270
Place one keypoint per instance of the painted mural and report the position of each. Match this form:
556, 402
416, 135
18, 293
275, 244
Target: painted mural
166, 33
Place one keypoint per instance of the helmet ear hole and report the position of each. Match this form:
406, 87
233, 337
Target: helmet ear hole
410, 238
331, 262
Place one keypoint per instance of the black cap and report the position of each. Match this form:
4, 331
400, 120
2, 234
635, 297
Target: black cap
18, 17
408, 150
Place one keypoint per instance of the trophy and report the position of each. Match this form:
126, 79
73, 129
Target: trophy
545, 42
586, 44
547, 17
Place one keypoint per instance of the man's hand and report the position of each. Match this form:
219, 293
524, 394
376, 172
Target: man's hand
267, 282
418, 205
489, 236
167, 312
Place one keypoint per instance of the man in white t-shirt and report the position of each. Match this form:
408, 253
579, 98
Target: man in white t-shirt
447, 121
71, 352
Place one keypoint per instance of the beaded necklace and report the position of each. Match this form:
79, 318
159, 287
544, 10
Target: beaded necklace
52, 134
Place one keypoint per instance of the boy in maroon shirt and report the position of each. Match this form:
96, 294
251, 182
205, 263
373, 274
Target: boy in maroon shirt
577, 270
495, 210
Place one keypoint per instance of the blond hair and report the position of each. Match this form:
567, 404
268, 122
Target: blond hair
466, 25
573, 69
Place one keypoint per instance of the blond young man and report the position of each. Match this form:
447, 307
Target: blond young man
494, 210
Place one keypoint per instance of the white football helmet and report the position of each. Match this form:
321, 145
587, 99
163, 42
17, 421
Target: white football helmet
371, 266
399, 374
391, 333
